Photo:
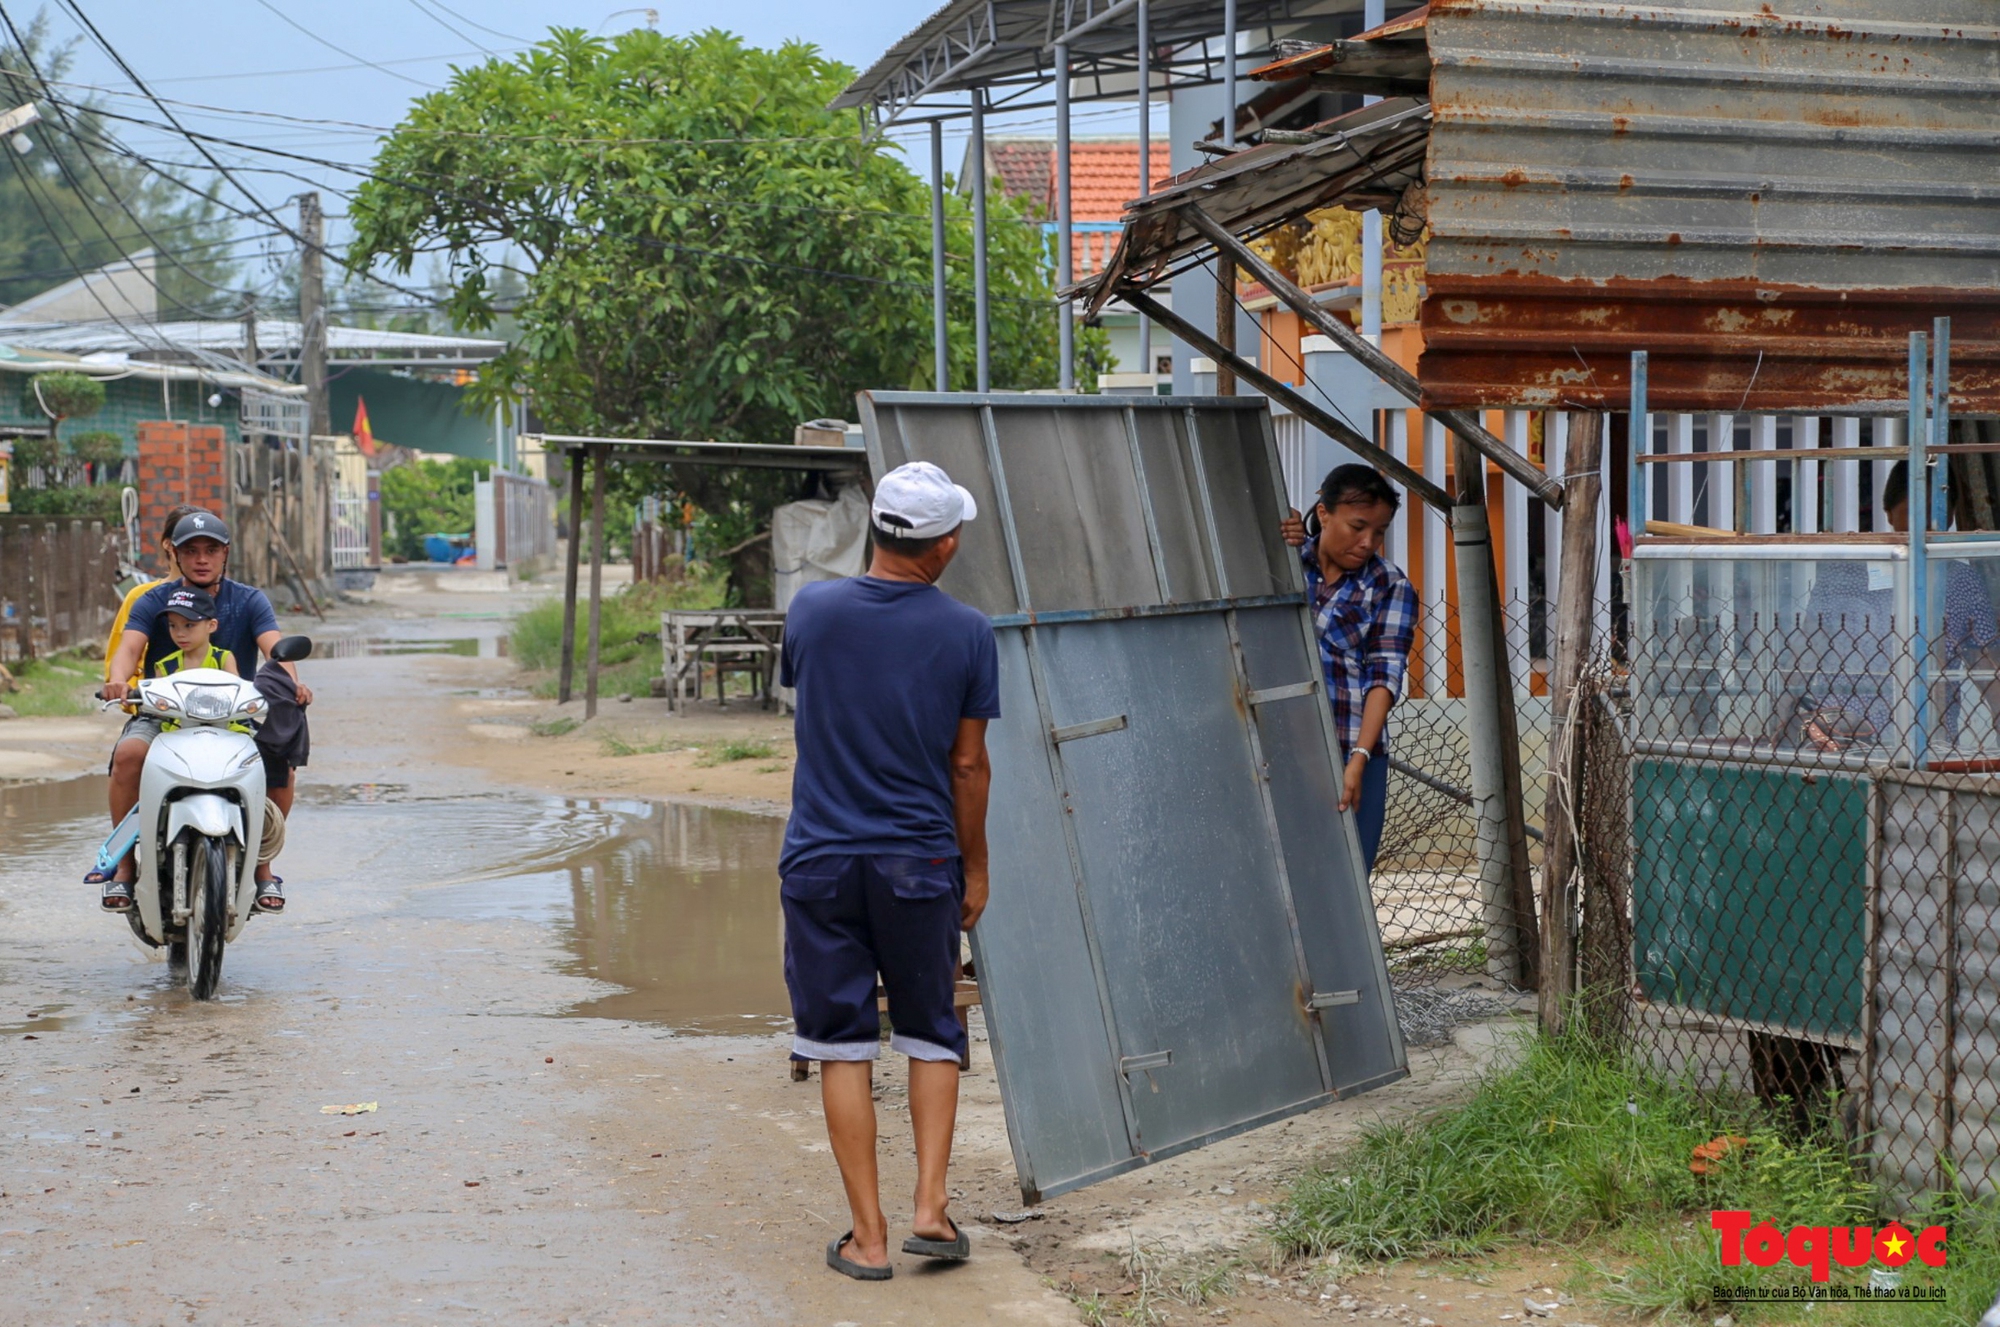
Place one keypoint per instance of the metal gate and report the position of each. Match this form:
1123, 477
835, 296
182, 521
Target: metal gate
1180, 944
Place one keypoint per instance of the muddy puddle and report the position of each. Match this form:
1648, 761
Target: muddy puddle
360, 647
673, 907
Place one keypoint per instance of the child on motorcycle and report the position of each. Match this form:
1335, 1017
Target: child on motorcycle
191, 620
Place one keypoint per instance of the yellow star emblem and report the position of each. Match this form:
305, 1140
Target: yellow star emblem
1895, 1245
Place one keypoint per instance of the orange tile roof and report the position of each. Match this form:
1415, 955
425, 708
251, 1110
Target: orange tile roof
1104, 175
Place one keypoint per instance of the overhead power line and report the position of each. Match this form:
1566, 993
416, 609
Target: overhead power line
293, 23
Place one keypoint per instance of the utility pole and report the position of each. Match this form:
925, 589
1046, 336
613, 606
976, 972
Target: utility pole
250, 352
312, 316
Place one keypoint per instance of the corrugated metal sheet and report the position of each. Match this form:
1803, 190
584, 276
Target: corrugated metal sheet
1181, 943
1767, 199
1936, 1089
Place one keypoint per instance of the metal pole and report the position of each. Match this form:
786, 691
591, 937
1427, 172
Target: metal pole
1488, 688
1373, 15
1638, 441
1941, 414
1225, 271
1918, 497
596, 582
940, 339
1066, 325
1145, 154
566, 670
982, 336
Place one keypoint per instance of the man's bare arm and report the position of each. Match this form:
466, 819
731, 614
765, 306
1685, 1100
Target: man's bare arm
971, 780
124, 663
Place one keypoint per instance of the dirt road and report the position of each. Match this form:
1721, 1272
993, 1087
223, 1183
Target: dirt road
567, 1016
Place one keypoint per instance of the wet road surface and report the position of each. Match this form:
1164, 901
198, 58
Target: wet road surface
565, 1013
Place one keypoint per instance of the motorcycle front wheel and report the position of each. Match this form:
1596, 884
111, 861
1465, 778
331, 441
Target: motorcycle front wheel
208, 896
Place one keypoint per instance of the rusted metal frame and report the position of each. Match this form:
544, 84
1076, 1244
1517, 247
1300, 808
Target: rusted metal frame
1464, 424
1322, 419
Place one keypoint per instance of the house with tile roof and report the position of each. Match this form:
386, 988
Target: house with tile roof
1103, 177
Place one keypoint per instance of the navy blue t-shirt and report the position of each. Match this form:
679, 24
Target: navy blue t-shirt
242, 614
884, 671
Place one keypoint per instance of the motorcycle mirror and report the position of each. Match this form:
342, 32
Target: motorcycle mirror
291, 649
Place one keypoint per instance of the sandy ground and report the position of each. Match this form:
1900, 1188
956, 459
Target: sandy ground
166, 1161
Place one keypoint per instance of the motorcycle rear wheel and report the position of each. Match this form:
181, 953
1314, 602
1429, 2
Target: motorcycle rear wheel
208, 896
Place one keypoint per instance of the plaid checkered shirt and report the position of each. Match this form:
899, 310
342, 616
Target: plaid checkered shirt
1365, 622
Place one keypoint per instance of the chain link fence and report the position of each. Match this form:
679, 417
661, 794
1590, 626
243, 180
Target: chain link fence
1790, 851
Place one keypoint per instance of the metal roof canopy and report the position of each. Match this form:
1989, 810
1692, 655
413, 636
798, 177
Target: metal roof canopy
1765, 202
1008, 46
1181, 943
277, 338
649, 451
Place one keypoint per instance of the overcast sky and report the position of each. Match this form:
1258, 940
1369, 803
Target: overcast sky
362, 60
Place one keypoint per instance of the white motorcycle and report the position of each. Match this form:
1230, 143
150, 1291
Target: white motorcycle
200, 818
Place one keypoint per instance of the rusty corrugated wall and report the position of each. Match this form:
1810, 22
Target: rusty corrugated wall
1767, 199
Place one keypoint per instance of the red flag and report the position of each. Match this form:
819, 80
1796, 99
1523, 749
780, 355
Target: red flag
364, 437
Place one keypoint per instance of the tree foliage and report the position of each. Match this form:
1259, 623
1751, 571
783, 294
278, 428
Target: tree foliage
428, 497
708, 251
76, 202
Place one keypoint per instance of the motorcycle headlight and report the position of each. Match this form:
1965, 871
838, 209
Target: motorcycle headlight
207, 703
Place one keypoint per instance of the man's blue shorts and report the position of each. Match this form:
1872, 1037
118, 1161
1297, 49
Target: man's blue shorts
848, 918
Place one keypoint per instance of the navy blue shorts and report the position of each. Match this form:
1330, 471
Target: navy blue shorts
848, 918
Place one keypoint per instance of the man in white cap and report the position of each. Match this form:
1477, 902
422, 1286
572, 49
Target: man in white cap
884, 860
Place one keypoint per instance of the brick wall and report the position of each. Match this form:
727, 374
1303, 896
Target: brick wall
179, 463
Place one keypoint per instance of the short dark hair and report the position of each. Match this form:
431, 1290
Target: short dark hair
901, 545
1896, 488
1357, 483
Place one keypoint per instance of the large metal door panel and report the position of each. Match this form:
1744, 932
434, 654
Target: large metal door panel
1205, 972
1179, 941
1337, 925
1032, 953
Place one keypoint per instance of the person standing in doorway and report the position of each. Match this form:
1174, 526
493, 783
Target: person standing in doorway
884, 860
1365, 616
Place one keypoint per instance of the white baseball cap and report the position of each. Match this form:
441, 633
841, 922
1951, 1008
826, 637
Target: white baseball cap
919, 501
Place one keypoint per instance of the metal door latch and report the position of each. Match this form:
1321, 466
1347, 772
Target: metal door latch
1135, 1064
1328, 999
1287, 692
1073, 731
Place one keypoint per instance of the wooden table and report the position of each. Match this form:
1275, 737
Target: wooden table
738, 640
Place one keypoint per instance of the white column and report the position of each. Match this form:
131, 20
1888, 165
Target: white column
1805, 477
1843, 481
1721, 474
1437, 668
1763, 476
1889, 435
1514, 555
1680, 474
1399, 529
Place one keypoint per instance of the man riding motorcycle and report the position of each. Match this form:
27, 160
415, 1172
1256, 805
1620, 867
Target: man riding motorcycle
248, 628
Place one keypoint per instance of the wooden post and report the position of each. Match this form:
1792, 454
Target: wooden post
1506, 879
567, 668
1573, 622
596, 581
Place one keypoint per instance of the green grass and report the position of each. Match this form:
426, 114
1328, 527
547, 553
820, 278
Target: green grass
629, 627
736, 748
1575, 1144
615, 745
58, 685
555, 727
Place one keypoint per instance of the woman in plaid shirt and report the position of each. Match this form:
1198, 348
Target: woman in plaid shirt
1365, 615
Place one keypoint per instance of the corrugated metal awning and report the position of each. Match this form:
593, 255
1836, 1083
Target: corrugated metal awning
1767, 203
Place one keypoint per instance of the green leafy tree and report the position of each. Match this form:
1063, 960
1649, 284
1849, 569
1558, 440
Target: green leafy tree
698, 247
428, 497
77, 201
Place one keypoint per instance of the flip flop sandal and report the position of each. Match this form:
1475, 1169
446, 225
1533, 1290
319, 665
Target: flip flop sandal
849, 1267
956, 1249
271, 895
117, 895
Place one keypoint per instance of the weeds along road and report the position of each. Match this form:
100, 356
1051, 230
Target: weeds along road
163, 1161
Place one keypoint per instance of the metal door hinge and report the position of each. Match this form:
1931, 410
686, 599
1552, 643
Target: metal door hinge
1328, 999
1286, 692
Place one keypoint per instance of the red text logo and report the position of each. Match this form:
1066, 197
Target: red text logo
1762, 1244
